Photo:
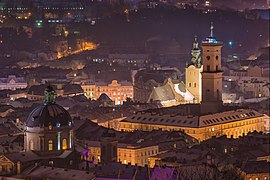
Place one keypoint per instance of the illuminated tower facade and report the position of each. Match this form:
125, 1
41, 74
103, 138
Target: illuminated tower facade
211, 75
193, 73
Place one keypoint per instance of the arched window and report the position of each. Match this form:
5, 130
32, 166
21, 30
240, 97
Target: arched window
208, 57
194, 85
189, 84
31, 145
50, 145
64, 144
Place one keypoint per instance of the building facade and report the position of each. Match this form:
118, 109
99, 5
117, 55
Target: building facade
135, 155
193, 73
12, 83
230, 123
117, 92
211, 75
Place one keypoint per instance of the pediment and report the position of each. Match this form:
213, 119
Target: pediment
4, 159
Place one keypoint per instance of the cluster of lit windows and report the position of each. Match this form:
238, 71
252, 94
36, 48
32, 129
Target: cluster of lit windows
55, 20
63, 8
9, 9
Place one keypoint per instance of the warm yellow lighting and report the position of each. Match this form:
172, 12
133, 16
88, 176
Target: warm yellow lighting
64, 144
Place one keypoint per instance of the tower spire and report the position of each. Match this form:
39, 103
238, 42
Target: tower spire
195, 43
195, 52
211, 30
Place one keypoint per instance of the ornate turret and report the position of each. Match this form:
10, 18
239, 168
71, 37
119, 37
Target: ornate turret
196, 54
49, 95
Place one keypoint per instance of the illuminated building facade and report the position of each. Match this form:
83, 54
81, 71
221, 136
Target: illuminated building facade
211, 75
125, 153
117, 92
202, 121
49, 127
229, 123
12, 83
193, 73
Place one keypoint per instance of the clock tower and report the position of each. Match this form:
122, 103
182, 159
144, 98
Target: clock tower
211, 74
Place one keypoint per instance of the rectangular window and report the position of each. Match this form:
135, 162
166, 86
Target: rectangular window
208, 68
50, 145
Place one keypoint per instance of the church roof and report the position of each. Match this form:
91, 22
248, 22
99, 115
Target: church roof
167, 92
162, 93
44, 115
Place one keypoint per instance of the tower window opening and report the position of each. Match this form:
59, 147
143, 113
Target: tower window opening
208, 68
194, 85
216, 67
189, 84
216, 57
208, 57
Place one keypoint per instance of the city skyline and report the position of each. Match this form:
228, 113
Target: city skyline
119, 89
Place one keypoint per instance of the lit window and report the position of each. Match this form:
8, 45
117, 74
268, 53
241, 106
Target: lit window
58, 125
64, 144
50, 145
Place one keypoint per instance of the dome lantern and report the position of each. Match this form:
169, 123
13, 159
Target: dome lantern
49, 95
